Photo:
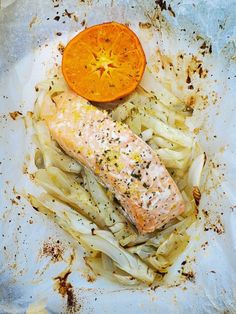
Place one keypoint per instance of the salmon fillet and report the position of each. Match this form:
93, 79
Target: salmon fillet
122, 161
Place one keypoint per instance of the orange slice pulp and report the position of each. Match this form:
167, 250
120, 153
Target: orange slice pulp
104, 62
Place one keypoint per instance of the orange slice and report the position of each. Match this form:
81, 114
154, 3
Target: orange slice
104, 62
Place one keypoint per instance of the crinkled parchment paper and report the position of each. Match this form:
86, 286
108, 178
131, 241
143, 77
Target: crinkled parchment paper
41, 268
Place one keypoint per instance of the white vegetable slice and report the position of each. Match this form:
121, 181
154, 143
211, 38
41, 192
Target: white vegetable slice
195, 171
173, 159
53, 84
52, 155
151, 84
107, 263
135, 123
146, 135
122, 111
44, 140
126, 280
174, 154
163, 143
160, 263
166, 131
60, 160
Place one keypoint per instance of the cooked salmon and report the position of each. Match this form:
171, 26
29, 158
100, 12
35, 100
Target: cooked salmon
122, 161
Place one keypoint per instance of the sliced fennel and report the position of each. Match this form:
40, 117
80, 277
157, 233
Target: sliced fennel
195, 170
91, 236
91, 214
52, 154
161, 250
113, 219
60, 185
166, 131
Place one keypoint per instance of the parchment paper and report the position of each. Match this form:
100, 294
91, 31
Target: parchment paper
198, 39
